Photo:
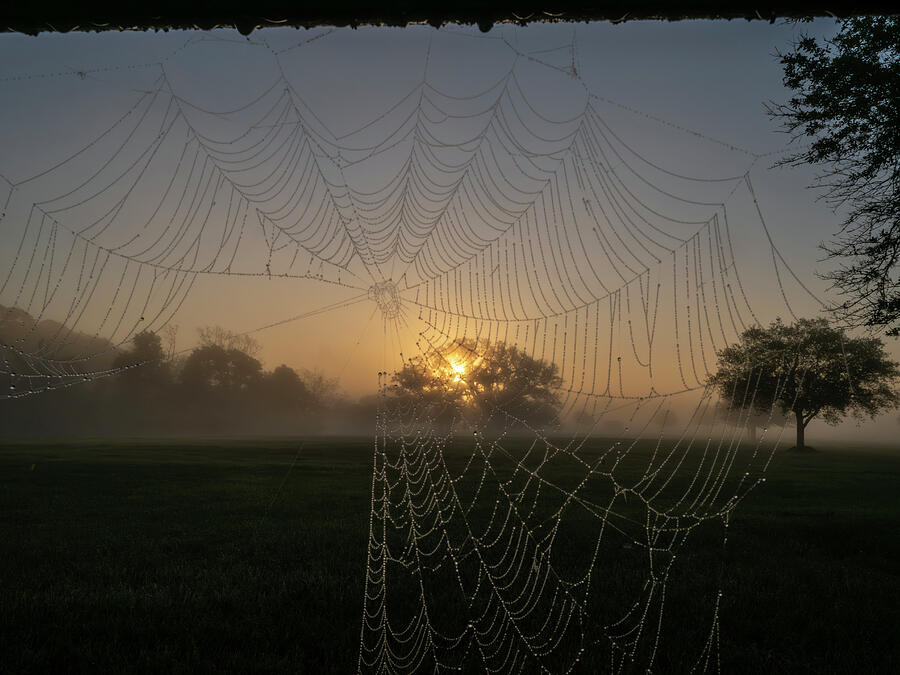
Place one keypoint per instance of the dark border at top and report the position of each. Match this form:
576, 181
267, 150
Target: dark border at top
62, 16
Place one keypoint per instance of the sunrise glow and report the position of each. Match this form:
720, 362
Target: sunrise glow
459, 369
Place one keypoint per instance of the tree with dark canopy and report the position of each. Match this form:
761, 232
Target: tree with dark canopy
214, 370
809, 369
484, 384
141, 393
145, 364
846, 101
281, 398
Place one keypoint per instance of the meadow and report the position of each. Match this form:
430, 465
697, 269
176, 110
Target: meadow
245, 555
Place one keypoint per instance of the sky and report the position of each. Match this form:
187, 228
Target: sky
687, 95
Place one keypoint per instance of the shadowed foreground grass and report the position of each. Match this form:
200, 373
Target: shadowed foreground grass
216, 556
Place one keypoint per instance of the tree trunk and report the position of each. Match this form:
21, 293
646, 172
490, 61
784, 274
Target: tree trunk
751, 432
801, 427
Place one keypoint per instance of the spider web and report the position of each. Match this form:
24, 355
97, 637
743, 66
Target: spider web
466, 219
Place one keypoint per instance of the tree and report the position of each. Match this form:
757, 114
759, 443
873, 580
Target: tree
483, 383
220, 389
144, 368
215, 370
809, 369
325, 391
216, 336
139, 396
847, 102
283, 394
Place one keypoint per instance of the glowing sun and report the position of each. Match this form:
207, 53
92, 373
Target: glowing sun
458, 369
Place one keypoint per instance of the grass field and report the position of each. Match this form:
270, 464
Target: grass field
215, 556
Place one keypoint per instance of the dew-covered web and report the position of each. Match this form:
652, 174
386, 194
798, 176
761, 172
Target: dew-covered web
469, 220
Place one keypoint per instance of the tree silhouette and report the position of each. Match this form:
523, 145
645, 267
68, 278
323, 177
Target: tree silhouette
847, 103
809, 369
145, 363
140, 394
325, 391
282, 397
484, 384
217, 384
215, 370
222, 337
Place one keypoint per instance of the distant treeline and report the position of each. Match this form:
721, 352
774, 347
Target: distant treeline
220, 387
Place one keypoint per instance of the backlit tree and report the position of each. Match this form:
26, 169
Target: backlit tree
809, 369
